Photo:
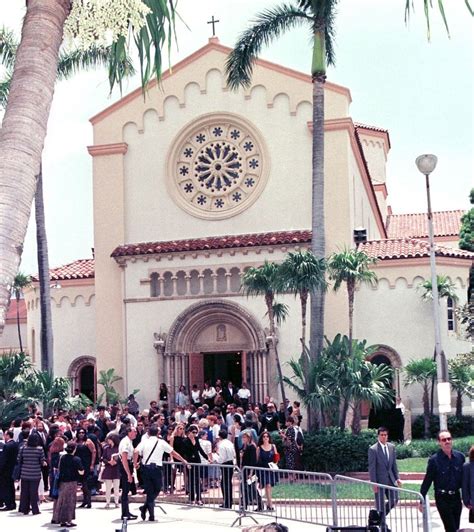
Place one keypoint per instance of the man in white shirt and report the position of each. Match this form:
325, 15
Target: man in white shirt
126, 470
226, 454
244, 396
151, 451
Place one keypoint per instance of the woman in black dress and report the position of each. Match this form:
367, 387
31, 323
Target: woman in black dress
248, 457
192, 452
70, 471
86, 451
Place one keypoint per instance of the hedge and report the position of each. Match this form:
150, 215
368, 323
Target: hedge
458, 426
334, 451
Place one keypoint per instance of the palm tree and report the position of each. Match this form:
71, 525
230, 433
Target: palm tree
69, 63
25, 121
14, 371
351, 267
263, 281
422, 372
446, 288
319, 16
21, 282
301, 273
42, 387
107, 379
461, 377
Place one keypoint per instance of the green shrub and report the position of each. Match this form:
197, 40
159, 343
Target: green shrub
459, 426
335, 451
425, 448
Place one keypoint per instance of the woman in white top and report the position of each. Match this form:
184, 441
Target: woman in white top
196, 396
208, 395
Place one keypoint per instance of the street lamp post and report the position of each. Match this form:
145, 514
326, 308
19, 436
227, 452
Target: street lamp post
426, 164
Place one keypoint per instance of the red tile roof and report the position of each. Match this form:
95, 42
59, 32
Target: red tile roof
11, 312
79, 269
445, 223
218, 242
409, 248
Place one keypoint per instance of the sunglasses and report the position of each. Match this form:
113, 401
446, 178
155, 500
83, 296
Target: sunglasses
446, 439
194, 432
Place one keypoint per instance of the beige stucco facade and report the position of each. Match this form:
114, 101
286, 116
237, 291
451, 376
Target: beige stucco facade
152, 315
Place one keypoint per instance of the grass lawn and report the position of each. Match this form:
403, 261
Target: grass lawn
344, 491
412, 465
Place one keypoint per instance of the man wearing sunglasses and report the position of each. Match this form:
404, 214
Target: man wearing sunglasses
445, 470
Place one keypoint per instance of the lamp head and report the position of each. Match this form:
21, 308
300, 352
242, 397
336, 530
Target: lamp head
426, 163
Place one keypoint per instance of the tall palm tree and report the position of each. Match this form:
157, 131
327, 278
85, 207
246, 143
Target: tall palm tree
25, 121
21, 282
351, 267
319, 16
70, 62
422, 372
263, 281
301, 273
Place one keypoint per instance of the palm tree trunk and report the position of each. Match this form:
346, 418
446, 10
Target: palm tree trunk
24, 129
350, 296
426, 410
46, 334
17, 296
458, 404
318, 240
345, 408
304, 304
356, 419
271, 317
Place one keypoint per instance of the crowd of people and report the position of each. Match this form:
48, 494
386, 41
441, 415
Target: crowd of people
121, 448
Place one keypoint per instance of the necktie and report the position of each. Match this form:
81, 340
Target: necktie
385, 450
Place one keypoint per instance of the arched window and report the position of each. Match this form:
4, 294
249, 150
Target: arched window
451, 306
154, 285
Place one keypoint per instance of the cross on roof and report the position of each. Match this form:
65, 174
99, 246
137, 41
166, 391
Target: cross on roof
213, 22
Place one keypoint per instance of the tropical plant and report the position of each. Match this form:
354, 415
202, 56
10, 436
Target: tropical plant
11, 410
281, 311
14, 371
107, 379
149, 24
461, 377
465, 315
301, 273
466, 233
352, 267
263, 281
355, 379
21, 282
42, 387
446, 288
422, 372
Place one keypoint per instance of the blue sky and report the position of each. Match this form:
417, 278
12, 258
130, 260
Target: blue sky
421, 92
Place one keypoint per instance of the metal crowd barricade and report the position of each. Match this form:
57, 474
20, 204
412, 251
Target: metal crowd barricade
354, 498
296, 495
211, 485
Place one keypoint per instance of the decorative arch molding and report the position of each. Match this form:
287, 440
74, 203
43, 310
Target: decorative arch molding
390, 353
76, 366
190, 323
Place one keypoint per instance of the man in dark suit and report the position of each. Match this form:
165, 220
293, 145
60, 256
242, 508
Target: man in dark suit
229, 392
41, 431
8, 456
383, 470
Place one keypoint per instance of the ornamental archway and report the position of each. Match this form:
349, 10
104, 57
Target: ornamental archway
217, 334
82, 373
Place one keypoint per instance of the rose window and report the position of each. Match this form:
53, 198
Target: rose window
218, 168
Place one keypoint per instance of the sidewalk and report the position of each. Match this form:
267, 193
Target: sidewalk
177, 518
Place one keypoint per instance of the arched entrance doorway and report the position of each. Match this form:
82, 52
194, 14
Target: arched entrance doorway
217, 339
82, 373
389, 417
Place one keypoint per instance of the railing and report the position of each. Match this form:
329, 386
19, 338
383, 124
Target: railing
302, 496
400, 510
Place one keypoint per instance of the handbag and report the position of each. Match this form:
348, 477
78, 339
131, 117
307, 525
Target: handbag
54, 491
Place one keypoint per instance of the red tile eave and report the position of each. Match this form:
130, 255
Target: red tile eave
213, 44
377, 130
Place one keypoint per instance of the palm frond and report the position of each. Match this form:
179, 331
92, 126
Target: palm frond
280, 312
267, 26
8, 47
5, 90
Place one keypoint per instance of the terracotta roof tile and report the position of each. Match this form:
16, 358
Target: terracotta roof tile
445, 223
409, 248
218, 242
79, 269
11, 312
372, 128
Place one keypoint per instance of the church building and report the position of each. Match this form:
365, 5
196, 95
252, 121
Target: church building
196, 183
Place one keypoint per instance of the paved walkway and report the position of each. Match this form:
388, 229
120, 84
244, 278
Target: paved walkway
177, 518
